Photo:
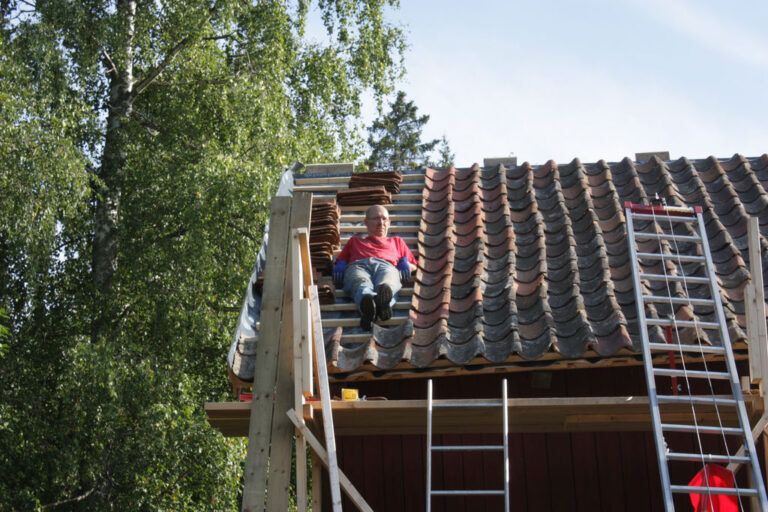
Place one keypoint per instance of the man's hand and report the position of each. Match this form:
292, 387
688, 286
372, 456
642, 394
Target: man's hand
338, 272
405, 268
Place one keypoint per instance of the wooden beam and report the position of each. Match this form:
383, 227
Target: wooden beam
317, 483
261, 408
345, 483
571, 414
282, 428
327, 412
754, 299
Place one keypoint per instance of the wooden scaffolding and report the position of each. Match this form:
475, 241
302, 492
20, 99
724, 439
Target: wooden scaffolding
285, 407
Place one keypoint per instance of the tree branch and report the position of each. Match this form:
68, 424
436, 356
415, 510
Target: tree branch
71, 500
111, 63
243, 232
144, 83
154, 73
222, 81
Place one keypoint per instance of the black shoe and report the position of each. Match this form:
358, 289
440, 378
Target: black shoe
383, 298
367, 312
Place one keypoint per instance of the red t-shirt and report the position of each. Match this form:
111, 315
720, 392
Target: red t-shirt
389, 249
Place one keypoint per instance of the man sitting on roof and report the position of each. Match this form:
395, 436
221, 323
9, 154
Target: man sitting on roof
371, 268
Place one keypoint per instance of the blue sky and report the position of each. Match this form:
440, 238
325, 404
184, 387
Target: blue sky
593, 79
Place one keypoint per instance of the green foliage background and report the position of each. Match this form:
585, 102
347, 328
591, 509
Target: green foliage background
114, 421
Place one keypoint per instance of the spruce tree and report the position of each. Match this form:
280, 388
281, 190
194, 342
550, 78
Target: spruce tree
395, 138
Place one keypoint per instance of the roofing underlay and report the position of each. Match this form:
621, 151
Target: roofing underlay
531, 260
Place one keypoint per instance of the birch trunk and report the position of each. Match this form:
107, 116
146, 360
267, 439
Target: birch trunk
107, 191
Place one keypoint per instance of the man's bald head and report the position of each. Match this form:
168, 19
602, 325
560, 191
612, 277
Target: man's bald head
377, 220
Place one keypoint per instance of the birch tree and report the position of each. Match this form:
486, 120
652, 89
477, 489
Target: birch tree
140, 142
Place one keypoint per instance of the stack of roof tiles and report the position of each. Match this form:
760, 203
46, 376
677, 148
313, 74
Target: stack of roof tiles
323, 233
391, 180
363, 196
533, 259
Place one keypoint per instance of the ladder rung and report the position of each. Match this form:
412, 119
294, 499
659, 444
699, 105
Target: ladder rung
730, 491
696, 374
702, 429
467, 493
667, 236
689, 301
674, 277
664, 322
697, 400
674, 257
469, 448
707, 457
452, 404
673, 218
675, 347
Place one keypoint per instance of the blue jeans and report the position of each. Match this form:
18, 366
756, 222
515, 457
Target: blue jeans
363, 277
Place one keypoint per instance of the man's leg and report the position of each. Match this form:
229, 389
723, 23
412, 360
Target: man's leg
386, 282
358, 285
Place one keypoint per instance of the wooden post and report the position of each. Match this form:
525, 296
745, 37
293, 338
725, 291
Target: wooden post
322, 383
298, 375
350, 489
754, 299
282, 429
317, 483
256, 462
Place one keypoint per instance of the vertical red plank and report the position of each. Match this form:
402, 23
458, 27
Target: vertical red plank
475, 477
654, 481
393, 472
414, 473
453, 474
536, 474
610, 472
583, 449
560, 466
351, 463
633, 457
373, 489
518, 489
560, 471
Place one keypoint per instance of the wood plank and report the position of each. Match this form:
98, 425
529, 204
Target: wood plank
355, 322
513, 364
327, 180
282, 428
317, 482
392, 229
350, 306
307, 368
334, 187
394, 483
261, 408
398, 207
394, 217
341, 294
317, 447
564, 414
327, 412
757, 332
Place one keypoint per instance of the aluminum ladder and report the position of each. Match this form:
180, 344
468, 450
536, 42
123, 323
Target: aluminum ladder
504, 447
670, 257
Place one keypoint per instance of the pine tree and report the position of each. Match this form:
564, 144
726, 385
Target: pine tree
395, 138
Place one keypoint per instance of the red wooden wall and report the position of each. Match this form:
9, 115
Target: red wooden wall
600, 471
